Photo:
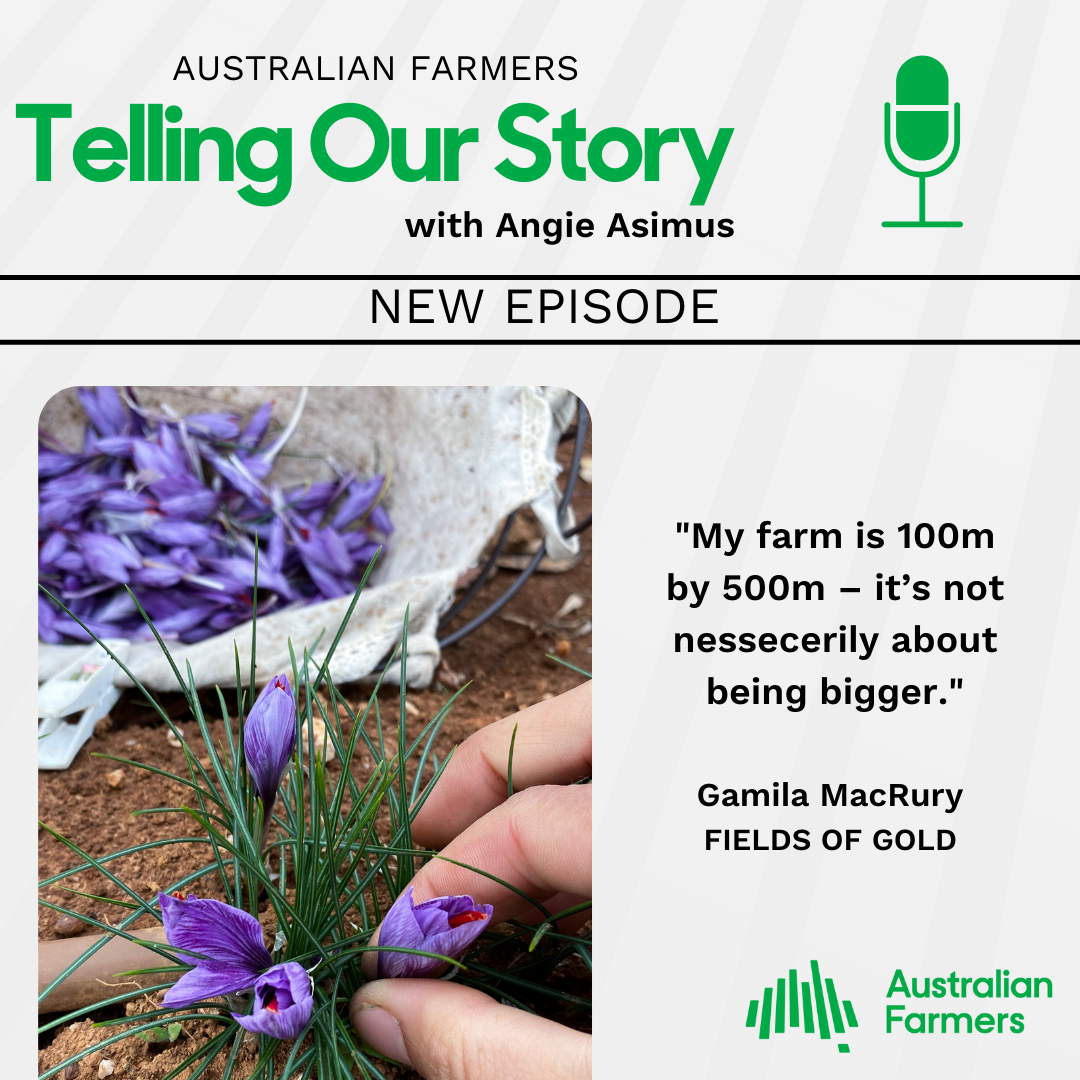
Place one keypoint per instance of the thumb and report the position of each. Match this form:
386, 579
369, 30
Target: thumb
450, 1032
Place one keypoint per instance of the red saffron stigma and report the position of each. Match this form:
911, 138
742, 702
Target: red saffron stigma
466, 916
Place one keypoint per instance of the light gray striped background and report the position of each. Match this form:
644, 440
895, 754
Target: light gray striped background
808, 436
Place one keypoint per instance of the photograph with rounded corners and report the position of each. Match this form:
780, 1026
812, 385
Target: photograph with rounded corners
314, 732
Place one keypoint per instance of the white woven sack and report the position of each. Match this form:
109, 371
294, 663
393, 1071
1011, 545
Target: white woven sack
463, 458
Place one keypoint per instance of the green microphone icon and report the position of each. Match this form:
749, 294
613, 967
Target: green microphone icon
922, 130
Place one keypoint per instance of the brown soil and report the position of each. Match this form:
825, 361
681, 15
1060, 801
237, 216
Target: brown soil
504, 661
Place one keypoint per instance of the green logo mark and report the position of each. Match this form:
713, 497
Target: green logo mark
922, 129
774, 1014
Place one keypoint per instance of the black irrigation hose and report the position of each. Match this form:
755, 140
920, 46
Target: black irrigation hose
534, 562
497, 606
580, 527
483, 575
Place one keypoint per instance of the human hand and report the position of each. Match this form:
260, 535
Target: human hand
539, 840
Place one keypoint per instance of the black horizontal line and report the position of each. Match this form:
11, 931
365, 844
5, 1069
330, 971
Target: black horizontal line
541, 341
851, 590
539, 277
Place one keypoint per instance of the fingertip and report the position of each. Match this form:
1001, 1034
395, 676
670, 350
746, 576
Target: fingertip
454, 1032
553, 746
377, 1027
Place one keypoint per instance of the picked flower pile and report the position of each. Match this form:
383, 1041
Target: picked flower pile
174, 508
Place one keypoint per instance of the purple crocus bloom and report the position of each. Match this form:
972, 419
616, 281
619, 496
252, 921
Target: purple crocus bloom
171, 533
123, 501
447, 925
325, 558
72, 562
107, 556
47, 617
160, 459
158, 574
360, 497
54, 546
120, 446
238, 574
217, 425
56, 462
238, 475
323, 547
256, 429
236, 958
380, 519
275, 548
282, 1003
231, 941
311, 497
103, 406
180, 622
269, 737
195, 502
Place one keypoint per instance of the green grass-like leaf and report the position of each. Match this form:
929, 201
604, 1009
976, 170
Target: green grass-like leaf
567, 664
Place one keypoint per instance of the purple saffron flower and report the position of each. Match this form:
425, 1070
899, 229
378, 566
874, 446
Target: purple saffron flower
325, 558
231, 941
311, 497
269, 737
282, 1003
74, 484
180, 622
446, 925
47, 618
117, 607
107, 556
361, 547
238, 475
104, 408
275, 548
118, 446
237, 575
360, 497
380, 519
196, 502
158, 574
257, 465
256, 429
329, 585
323, 547
54, 546
171, 533
160, 459
217, 425
56, 462
131, 502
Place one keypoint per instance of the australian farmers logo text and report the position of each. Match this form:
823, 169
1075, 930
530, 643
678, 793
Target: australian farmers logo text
988, 1004
950, 1004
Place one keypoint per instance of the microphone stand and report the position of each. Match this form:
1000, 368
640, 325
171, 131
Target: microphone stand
922, 223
